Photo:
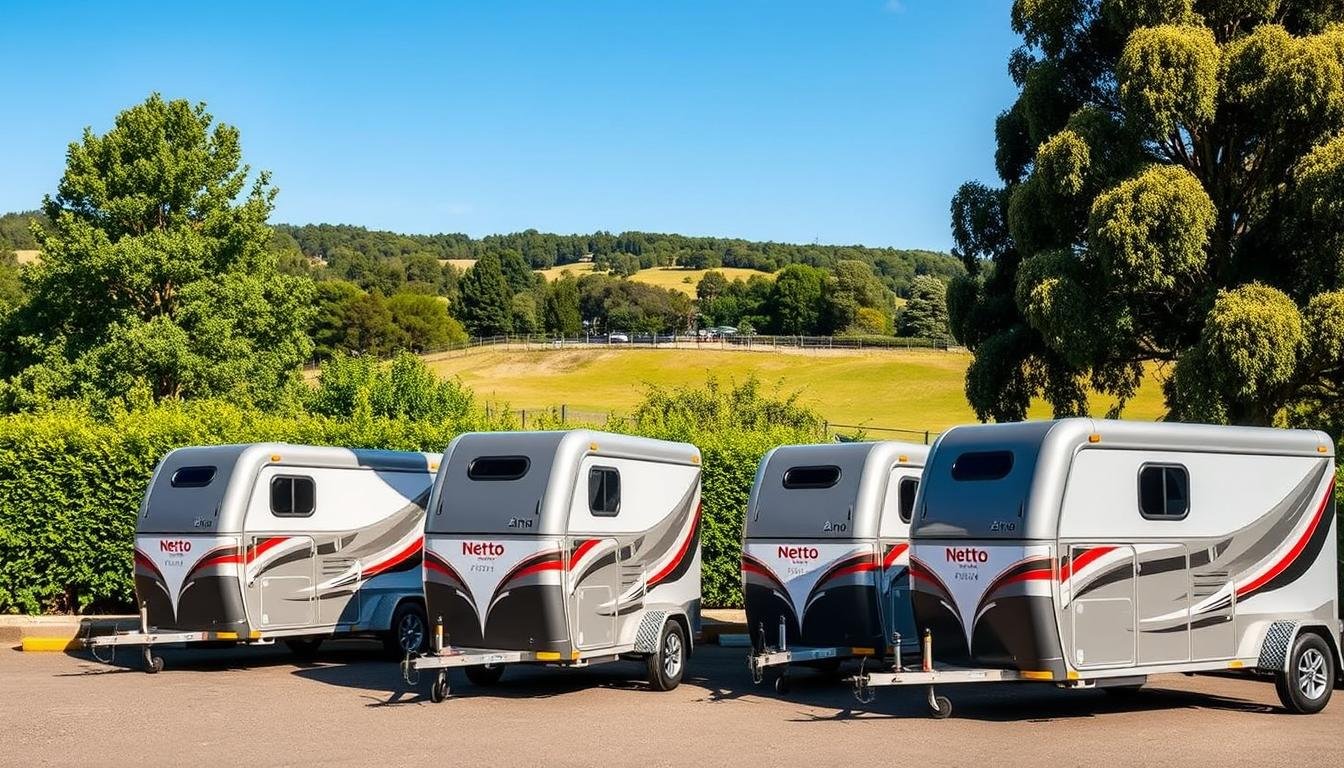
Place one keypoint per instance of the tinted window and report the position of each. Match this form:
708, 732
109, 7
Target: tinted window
908, 489
293, 496
982, 465
1164, 491
604, 491
193, 477
498, 468
811, 477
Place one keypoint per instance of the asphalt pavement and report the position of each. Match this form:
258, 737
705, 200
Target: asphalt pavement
350, 707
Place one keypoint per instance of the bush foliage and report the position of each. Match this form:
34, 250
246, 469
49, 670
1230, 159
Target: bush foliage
71, 480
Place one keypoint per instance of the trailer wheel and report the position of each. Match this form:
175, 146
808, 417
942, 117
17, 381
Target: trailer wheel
304, 647
153, 663
1305, 687
940, 708
439, 690
668, 664
485, 675
782, 682
409, 632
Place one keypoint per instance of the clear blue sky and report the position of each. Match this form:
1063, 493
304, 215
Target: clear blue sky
841, 121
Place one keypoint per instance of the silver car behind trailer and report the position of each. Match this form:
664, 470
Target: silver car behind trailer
259, 542
825, 555
564, 548
1092, 553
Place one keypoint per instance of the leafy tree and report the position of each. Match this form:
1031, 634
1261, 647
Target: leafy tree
156, 278
516, 271
796, 299
523, 314
16, 230
425, 321
370, 329
560, 311
11, 291
333, 317
854, 289
1173, 175
711, 286
925, 314
486, 304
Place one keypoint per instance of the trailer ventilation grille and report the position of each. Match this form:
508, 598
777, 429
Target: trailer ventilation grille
1274, 652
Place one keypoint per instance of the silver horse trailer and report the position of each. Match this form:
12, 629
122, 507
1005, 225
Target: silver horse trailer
254, 543
1095, 553
566, 548
825, 554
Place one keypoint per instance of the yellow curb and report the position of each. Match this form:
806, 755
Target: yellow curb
50, 644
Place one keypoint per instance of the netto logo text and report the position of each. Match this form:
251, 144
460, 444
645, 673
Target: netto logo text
797, 553
482, 548
966, 555
174, 546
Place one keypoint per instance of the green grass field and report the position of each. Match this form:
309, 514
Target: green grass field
915, 389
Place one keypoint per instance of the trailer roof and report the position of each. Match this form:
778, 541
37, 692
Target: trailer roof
1041, 452
857, 497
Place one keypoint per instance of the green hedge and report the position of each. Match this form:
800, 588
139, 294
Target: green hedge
70, 486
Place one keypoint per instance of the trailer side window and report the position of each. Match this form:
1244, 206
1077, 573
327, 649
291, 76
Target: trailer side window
1164, 491
811, 477
498, 467
907, 490
982, 465
604, 491
293, 496
193, 477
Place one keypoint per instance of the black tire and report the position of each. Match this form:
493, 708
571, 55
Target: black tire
438, 688
409, 632
304, 647
941, 709
485, 675
782, 683
1305, 688
668, 664
153, 663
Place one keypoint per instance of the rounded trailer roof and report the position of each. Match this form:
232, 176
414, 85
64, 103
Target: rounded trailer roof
1043, 451
857, 497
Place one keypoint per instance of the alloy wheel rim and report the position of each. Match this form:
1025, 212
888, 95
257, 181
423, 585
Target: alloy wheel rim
1311, 677
672, 656
412, 633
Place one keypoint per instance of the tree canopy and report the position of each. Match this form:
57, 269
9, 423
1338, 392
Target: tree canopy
1172, 174
155, 278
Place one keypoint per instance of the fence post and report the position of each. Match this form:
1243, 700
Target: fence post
564, 419
825, 429
926, 437
524, 415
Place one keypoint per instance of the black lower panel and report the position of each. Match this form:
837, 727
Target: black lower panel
207, 604
460, 625
1018, 633
529, 618
158, 607
949, 640
764, 609
844, 616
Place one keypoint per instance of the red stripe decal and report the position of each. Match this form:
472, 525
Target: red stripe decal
895, 553
548, 565
1301, 544
257, 550
400, 557
856, 568
1037, 575
1081, 562
681, 551
582, 550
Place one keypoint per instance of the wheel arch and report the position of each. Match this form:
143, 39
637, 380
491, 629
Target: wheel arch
1276, 648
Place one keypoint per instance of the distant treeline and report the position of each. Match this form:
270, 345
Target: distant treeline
896, 268
14, 232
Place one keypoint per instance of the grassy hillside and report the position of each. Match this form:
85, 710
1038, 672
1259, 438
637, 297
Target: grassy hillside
675, 278
916, 389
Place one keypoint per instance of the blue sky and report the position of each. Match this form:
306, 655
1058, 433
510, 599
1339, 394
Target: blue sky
840, 121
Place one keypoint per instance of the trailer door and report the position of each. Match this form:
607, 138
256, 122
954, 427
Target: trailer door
594, 601
1101, 605
280, 562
